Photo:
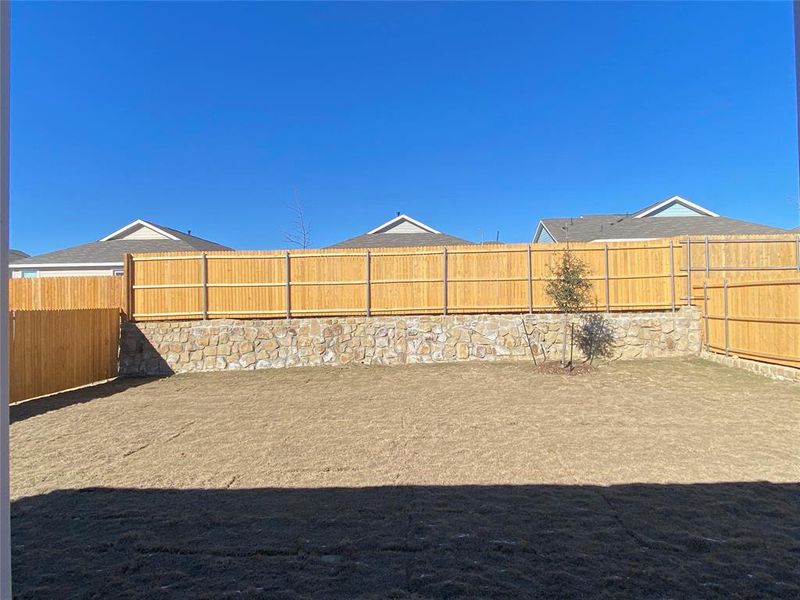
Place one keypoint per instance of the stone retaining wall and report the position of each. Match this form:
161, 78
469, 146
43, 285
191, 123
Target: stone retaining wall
778, 372
155, 348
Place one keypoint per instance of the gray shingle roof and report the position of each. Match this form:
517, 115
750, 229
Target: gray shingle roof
610, 227
113, 250
400, 240
16, 255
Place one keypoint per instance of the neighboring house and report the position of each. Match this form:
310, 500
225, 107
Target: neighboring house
14, 256
402, 231
104, 257
672, 217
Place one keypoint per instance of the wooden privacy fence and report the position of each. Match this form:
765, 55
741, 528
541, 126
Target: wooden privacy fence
626, 276
452, 280
759, 320
55, 350
55, 293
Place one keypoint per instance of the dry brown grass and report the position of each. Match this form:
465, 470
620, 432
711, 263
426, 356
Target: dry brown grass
652, 479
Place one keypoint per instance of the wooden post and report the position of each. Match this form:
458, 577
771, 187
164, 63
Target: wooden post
705, 311
288, 287
530, 281
204, 280
672, 272
725, 309
128, 284
368, 267
707, 259
688, 271
797, 251
444, 280
608, 293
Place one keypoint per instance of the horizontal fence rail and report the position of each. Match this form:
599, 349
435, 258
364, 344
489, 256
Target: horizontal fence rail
758, 320
55, 350
625, 276
57, 293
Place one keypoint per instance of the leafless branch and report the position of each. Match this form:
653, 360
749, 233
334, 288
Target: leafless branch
300, 235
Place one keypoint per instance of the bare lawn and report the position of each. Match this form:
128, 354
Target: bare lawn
650, 479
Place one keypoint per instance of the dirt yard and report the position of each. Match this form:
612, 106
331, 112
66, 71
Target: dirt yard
658, 479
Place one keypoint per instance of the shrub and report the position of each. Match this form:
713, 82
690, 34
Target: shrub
595, 337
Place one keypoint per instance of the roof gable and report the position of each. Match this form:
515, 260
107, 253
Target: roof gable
402, 224
140, 230
675, 207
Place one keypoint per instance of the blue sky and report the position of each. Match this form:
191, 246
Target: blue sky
474, 118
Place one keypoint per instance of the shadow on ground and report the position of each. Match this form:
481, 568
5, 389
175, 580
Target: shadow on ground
729, 540
40, 406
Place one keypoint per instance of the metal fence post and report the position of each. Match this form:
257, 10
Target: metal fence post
688, 271
204, 280
530, 281
444, 281
725, 309
288, 287
672, 272
705, 312
608, 293
369, 285
707, 259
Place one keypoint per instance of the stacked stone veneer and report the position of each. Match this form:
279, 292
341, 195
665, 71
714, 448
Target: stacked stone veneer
154, 348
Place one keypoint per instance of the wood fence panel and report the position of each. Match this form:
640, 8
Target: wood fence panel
748, 258
246, 286
407, 282
487, 280
57, 293
55, 350
183, 297
759, 320
328, 284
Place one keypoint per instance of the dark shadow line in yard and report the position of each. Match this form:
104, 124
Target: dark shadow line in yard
40, 406
720, 540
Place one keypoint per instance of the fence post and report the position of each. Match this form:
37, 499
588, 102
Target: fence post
672, 273
705, 311
368, 266
444, 280
688, 271
204, 279
797, 251
128, 282
725, 309
707, 258
608, 294
288, 287
530, 281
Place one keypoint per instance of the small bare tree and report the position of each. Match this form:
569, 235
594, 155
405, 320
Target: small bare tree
300, 235
571, 291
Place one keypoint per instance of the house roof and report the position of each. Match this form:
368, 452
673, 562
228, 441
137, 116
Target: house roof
649, 224
401, 231
15, 255
110, 251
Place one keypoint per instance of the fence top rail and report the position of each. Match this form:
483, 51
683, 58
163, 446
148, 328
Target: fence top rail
760, 283
780, 238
